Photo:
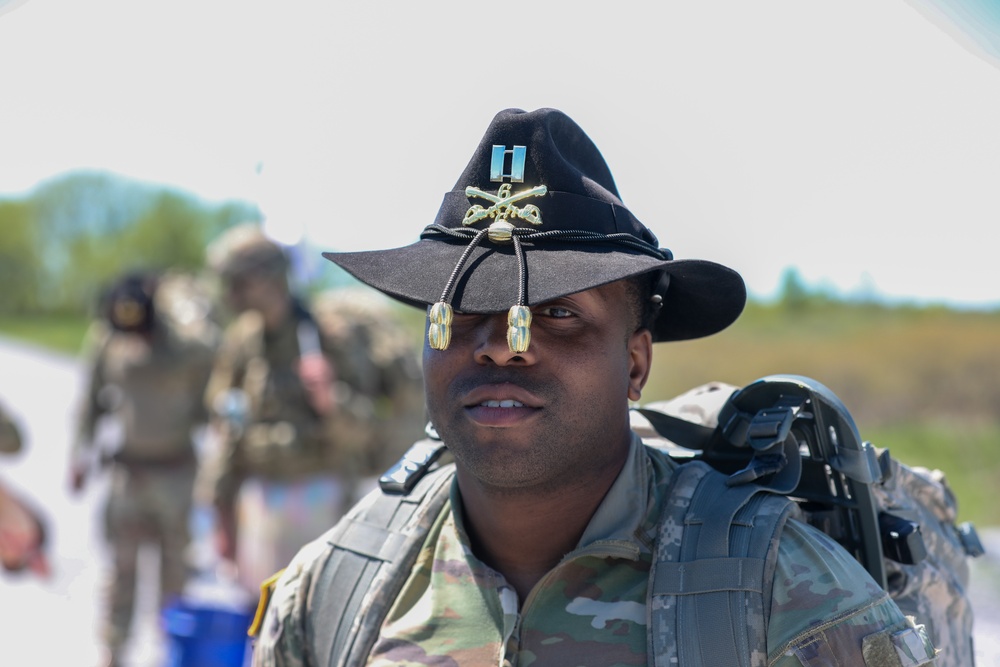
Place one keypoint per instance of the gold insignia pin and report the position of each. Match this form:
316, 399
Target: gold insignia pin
503, 205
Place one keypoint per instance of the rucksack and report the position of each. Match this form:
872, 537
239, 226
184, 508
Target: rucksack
781, 446
793, 436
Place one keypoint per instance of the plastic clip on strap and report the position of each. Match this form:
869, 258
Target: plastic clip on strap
861, 465
772, 425
416, 462
970, 540
767, 433
902, 540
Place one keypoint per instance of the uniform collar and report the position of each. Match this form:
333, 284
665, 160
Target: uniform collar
624, 514
623, 526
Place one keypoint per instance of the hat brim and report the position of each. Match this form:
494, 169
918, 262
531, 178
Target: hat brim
702, 298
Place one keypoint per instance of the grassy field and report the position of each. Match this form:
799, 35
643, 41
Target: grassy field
62, 333
923, 382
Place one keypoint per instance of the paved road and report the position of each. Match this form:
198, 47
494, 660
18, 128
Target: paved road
55, 622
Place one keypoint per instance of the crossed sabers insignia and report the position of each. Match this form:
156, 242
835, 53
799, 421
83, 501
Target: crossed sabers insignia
503, 205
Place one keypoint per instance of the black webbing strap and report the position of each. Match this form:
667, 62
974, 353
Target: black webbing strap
374, 550
679, 431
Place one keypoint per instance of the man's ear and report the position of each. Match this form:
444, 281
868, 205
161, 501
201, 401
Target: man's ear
640, 360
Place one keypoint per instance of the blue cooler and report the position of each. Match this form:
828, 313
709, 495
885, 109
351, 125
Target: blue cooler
203, 634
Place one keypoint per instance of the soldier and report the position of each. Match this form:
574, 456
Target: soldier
297, 398
388, 367
152, 376
545, 295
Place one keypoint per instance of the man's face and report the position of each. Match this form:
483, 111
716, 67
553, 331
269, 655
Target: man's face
549, 416
247, 291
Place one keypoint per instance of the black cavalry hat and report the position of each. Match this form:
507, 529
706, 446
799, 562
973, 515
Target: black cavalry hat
535, 216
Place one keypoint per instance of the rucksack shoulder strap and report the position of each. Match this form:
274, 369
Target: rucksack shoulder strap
373, 552
712, 572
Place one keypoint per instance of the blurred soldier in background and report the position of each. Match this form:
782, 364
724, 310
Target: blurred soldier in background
387, 365
149, 369
22, 531
307, 401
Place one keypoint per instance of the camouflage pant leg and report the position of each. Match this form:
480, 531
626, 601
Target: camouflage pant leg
172, 492
146, 507
124, 532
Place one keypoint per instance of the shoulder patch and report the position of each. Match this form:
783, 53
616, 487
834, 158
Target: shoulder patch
266, 591
909, 647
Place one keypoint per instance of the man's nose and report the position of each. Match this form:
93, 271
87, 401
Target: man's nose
492, 345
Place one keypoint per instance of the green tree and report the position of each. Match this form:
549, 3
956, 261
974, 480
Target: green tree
20, 262
794, 295
73, 234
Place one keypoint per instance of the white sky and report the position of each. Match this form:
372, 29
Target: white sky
858, 141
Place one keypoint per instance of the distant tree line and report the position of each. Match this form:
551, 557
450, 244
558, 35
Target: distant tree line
795, 295
66, 239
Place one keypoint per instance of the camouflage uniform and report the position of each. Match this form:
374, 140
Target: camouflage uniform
288, 474
154, 386
286, 469
593, 609
384, 362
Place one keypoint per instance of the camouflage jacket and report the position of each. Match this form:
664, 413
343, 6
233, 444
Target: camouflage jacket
593, 608
283, 437
154, 385
277, 434
385, 363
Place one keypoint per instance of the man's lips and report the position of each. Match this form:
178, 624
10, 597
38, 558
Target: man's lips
500, 405
502, 395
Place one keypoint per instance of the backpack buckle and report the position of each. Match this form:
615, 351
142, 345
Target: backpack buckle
771, 426
902, 540
767, 434
969, 538
416, 462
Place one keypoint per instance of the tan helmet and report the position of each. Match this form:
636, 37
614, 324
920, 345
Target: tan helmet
246, 249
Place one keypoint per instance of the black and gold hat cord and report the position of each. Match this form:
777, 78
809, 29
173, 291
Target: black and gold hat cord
500, 232
441, 313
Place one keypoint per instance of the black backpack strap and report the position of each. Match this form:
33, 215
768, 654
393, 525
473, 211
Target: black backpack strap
374, 551
713, 589
679, 431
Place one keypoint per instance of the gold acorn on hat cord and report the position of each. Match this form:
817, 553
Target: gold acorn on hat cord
519, 316
441, 314
439, 328
501, 231
518, 329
